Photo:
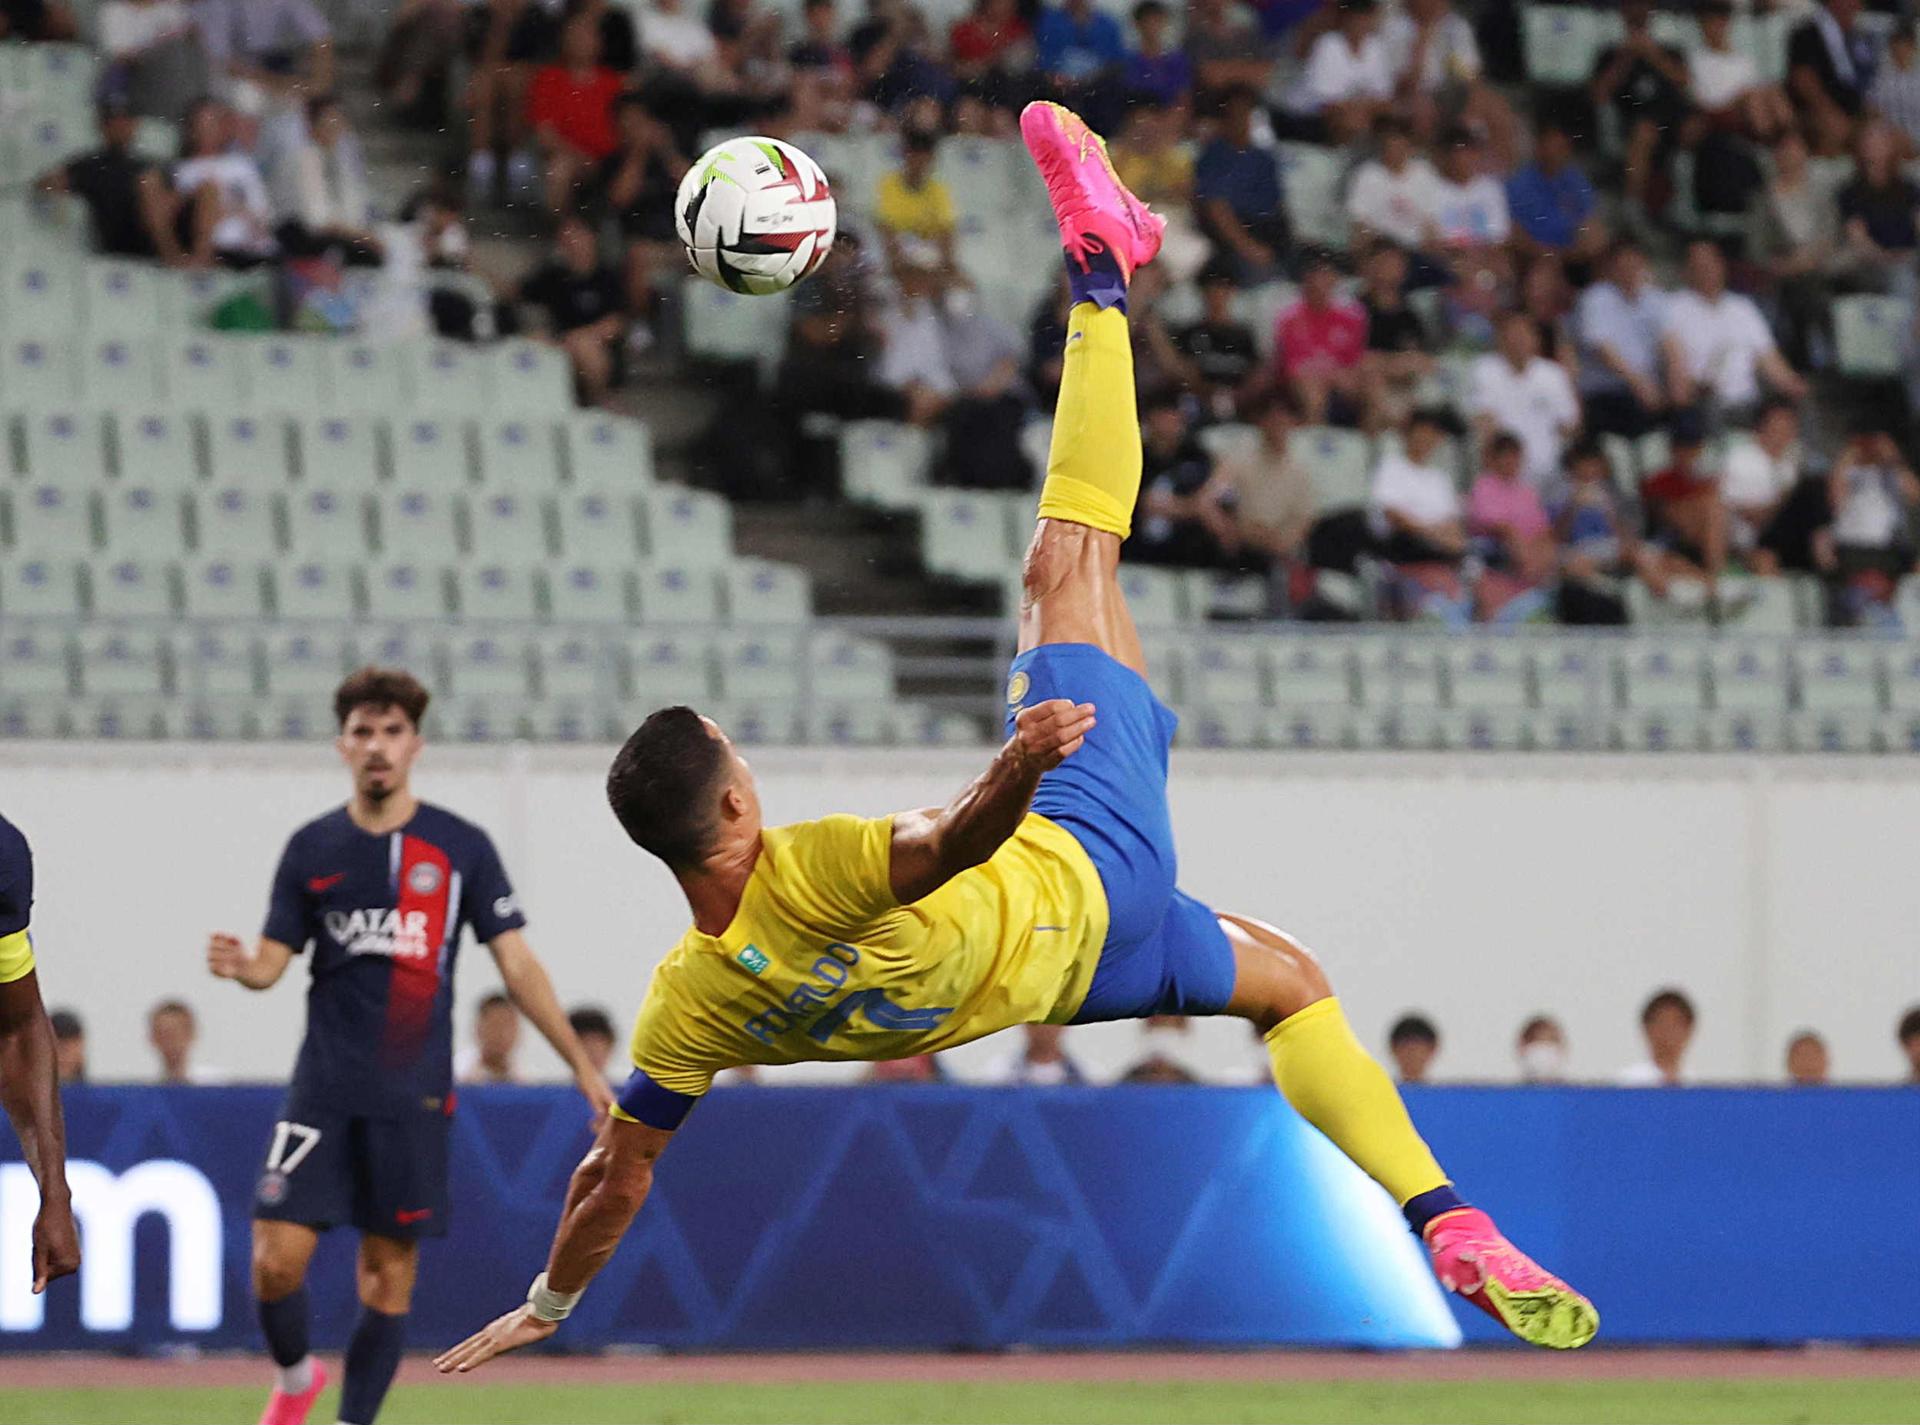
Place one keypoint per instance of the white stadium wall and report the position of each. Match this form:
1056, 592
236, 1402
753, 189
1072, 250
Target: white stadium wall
1479, 889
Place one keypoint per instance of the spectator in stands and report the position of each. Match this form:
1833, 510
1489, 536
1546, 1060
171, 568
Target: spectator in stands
919, 1069
326, 205
1645, 83
899, 71
1041, 1061
1516, 389
1830, 66
583, 303
1222, 359
153, 56
1152, 160
1895, 94
1686, 518
1770, 519
1236, 194
1399, 356
1724, 84
1808, 1062
1718, 347
1438, 77
69, 1046
1908, 1035
968, 371
1511, 533
1470, 208
1667, 1022
1598, 548
833, 347
1226, 48
1620, 324
1076, 45
1155, 68
37, 22
1418, 519
496, 1038
635, 187
1270, 493
913, 209
820, 50
1165, 1054
619, 39
214, 171
990, 45
267, 51
1182, 517
1347, 81
1552, 202
570, 111
1873, 493
132, 209
172, 1030
1320, 346
508, 37
593, 1027
1395, 195
414, 69
1542, 1051
1880, 215
1412, 1043
1547, 296
1796, 241
677, 40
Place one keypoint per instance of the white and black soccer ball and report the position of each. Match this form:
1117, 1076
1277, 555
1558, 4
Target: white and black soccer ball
756, 215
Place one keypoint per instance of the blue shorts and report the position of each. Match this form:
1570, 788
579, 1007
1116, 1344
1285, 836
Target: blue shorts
384, 1175
1165, 952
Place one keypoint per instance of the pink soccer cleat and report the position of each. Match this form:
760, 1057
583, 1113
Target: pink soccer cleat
1473, 1260
1095, 211
285, 1409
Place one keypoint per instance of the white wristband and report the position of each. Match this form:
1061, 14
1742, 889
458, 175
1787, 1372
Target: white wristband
551, 1305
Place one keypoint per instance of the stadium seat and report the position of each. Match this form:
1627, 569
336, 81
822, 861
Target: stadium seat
124, 719
445, 378
1234, 725
395, 647
63, 447
1307, 728
235, 522
1748, 678
290, 374
139, 520
131, 588
836, 724
1230, 441
1310, 176
54, 75
1662, 676
406, 589
755, 591
725, 326
507, 528
37, 373
417, 523
1311, 672
1340, 463
1154, 596
496, 593
980, 173
156, 447
339, 451
1399, 675
691, 527
596, 526
575, 668
528, 379
1686, 607
317, 589
40, 588
51, 520
188, 299
325, 523
431, 452
1484, 674
249, 450
1744, 731
117, 372
206, 373
37, 662
1574, 675
1836, 677
589, 593
884, 463
1662, 730
299, 662
518, 453
607, 452
673, 593
758, 667
1835, 731
214, 663
849, 668
121, 299
367, 378
483, 665
42, 294
1758, 606
1222, 671
1560, 44
300, 719
210, 719
963, 535
667, 669
219, 587
1903, 679
480, 720
1870, 334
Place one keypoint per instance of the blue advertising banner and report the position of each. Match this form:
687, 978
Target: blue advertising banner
955, 1217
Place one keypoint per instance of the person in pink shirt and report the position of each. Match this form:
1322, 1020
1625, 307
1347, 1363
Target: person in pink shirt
1320, 345
1509, 526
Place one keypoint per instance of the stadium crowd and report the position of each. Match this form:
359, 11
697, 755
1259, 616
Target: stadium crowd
1039, 1055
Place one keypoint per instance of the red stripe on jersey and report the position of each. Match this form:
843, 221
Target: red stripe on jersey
426, 885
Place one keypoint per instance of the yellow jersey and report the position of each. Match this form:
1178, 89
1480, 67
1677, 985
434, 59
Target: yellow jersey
923, 212
821, 961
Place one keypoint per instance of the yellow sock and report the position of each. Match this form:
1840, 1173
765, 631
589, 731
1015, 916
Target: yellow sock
1093, 465
1340, 1089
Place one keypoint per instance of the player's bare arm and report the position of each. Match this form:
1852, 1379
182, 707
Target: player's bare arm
607, 1190
931, 847
258, 969
30, 1092
531, 991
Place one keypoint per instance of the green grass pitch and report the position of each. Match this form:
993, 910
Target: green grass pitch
1817, 1401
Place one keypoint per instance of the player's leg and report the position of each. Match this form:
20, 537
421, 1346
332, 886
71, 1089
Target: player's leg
305, 1187
1333, 1083
385, 1274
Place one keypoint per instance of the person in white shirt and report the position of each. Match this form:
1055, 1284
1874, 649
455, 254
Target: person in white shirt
1041, 1060
1437, 74
1717, 345
1756, 479
675, 38
1667, 1023
153, 54
230, 179
1517, 389
1470, 203
1895, 92
1873, 493
323, 187
172, 1030
1416, 512
1396, 194
1724, 83
1346, 83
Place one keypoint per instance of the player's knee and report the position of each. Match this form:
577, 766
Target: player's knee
276, 1273
1283, 976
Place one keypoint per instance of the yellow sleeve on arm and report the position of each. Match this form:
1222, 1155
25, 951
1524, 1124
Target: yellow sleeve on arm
1093, 465
837, 871
673, 1064
16, 957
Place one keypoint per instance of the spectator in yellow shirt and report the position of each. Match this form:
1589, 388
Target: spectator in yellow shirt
914, 210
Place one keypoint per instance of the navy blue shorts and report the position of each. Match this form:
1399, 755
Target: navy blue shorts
1165, 952
384, 1175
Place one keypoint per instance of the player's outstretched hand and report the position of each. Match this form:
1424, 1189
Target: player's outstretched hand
519, 1327
56, 1245
1048, 733
226, 956
598, 1092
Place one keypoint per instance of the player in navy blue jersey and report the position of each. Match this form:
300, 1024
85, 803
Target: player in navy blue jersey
380, 891
29, 1082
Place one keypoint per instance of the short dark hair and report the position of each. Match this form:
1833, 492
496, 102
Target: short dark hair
664, 783
919, 141
1389, 124
1586, 448
1773, 406
1147, 8
1502, 443
1275, 401
1413, 1029
1667, 999
1538, 1024
170, 1006
67, 1025
590, 1019
381, 688
1910, 1025
1806, 1036
1437, 417
497, 999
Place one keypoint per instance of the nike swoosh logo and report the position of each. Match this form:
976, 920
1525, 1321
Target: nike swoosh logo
420, 1214
325, 883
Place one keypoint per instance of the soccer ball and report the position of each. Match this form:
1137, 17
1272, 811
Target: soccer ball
756, 215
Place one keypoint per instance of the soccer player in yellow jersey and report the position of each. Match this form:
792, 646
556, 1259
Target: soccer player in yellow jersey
1044, 892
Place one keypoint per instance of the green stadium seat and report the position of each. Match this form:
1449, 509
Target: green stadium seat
42, 294
504, 527
132, 588
1759, 606
156, 447
218, 587
1748, 678
429, 452
596, 526
725, 326
588, 593
610, 452
297, 719
209, 719
122, 299
485, 665
963, 535
121, 662
573, 667
1489, 729
367, 378
1307, 728
667, 668
187, 300
758, 667
116, 372
34, 587
884, 463
1835, 731
318, 589
850, 668
51, 521
1340, 463
123, 719
252, 450
1485, 675
1311, 672
1399, 675
143, 520
1838, 677
402, 647
916, 725
518, 453
445, 378
290, 374
1222, 671
63, 447
1870, 334
1234, 725
1903, 678
676, 594
1560, 43
299, 662
215, 663
325, 523
339, 451
1662, 676
496, 593
1686, 607
407, 590
1745, 731
688, 526
838, 724
1660, 730
36, 661
1154, 596
756, 591
235, 522
38, 374
56, 76
528, 379
207, 373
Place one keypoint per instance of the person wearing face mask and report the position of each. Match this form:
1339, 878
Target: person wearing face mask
1542, 1051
